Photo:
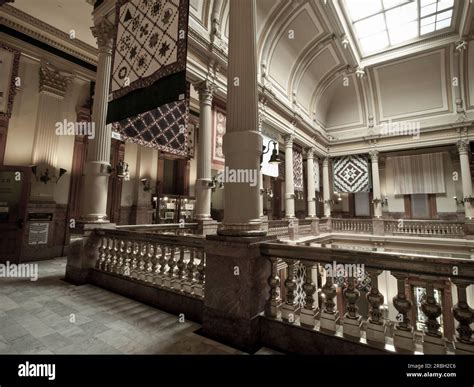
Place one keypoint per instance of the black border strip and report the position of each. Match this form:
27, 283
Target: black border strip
46, 47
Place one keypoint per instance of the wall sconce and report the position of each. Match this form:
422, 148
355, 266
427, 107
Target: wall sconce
459, 202
146, 185
45, 177
383, 202
274, 158
267, 191
121, 170
468, 199
299, 195
214, 183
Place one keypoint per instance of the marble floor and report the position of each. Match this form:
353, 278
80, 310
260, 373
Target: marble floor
50, 316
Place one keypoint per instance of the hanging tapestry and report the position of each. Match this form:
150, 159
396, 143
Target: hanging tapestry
9, 64
418, 174
150, 53
351, 174
164, 128
316, 174
281, 167
192, 125
218, 132
298, 170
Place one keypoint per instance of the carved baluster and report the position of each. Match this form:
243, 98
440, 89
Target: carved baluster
171, 265
329, 315
135, 260
464, 315
180, 265
150, 260
141, 261
155, 271
102, 253
109, 252
433, 341
114, 250
403, 335
198, 287
352, 319
290, 308
190, 273
163, 260
376, 328
120, 256
274, 302
308, 312
127, 258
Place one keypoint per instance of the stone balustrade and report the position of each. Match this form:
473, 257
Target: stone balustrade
352, 225
356, 273
173, 228
170, 262
434, 228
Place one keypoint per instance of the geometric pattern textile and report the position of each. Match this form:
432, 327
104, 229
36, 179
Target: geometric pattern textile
298, 170
316, 174
163, 128
351, 174
147, 45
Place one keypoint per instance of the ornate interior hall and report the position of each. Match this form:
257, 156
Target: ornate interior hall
237, 177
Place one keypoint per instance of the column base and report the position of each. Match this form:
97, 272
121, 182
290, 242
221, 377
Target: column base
378, 226
328, 321
252, 229
314, 225
207, 226
469, 228
434, 345
404, 340
308, 317
375, 333
351, 326
289, 312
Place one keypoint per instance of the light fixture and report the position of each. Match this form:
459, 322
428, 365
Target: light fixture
383, 202
267, 191
214, 183
146, 185
459, 202
274, 158
45, 177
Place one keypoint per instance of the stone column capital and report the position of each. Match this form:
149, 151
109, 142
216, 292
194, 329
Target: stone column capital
53, 81
325, 161
103, 31
374, 155
205, 90
463, 146
310, 153
289, 139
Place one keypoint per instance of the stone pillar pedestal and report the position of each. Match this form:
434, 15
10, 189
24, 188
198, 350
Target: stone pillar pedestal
433, 345
314, 226
207, 226
403, 340
328, 321
351, 327
236, 290
375, 333
469, 229
378, 226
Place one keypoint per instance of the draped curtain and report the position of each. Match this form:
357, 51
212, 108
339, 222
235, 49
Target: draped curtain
418, 174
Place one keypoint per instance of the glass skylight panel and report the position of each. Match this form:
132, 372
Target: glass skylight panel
379, 24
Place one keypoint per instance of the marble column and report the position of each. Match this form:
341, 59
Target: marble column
463, 148
242, 141
97, 168
289, 183
49, 126
310, 183
203, 174
374, 155
326, 188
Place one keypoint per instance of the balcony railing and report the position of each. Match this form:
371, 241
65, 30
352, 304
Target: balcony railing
434, 228
175, 263
173, 228
297, 264
352, 225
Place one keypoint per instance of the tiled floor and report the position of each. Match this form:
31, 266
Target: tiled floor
50, 316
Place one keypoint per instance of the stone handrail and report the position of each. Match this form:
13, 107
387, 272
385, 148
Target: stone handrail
437, 228
175, 228
364, 270
172, 262
352, 225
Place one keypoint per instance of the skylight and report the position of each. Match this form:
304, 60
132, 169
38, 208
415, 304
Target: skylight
380, 24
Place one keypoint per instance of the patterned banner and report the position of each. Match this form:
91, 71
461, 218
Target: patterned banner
163, 128
9, 64
317, 182
150, 53
351, 174
218, 132
298, 170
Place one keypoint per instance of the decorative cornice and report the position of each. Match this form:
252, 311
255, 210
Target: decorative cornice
53, 81
42, 31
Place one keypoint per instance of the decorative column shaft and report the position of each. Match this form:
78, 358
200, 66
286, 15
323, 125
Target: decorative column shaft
311, 184
463, 147
242, 141
374, 155
326, 188
289, 183
203, 174
98, 154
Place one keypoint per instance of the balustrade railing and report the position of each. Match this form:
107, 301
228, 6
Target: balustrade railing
435, 228
352, 225
359, 273
171, 262
168, 228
